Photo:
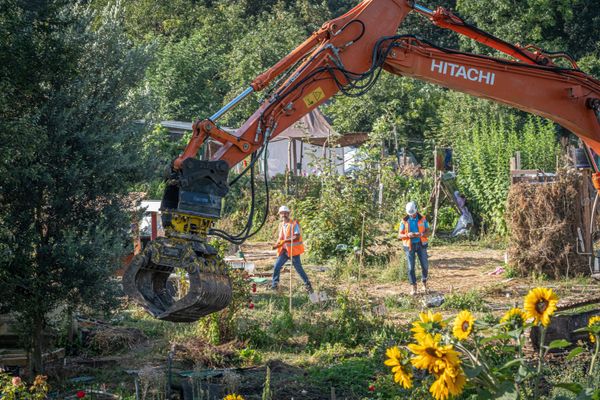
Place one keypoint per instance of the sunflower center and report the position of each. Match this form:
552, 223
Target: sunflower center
541, 306
465, 326
431, 352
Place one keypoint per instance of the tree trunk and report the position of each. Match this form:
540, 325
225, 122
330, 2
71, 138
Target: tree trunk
38, 344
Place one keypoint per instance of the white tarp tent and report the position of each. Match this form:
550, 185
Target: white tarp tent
305, 148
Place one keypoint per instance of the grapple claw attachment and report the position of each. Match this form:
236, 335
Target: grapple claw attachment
147, 280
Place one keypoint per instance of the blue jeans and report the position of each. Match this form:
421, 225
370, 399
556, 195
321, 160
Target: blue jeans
420, 250
281, 260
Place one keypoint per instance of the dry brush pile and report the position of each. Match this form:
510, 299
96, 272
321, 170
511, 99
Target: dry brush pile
542, 219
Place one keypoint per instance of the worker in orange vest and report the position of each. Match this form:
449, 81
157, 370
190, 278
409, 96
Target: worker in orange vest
413, 232
289, 244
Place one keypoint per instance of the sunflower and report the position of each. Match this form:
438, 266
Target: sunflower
463, 325
428, 324
595, 323
450, 382
540, 304
431, 356
233, 397
402, 374
514, 318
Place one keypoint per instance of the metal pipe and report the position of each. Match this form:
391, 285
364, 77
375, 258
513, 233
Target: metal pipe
231, 104
422, 9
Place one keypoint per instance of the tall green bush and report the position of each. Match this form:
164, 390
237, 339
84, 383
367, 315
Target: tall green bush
484, 148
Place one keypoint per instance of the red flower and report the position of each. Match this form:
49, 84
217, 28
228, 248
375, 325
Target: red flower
251, 306
254, 288
372, 388
80, 394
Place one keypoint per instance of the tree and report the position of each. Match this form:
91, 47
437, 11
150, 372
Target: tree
554, 25
399, 112
66, 118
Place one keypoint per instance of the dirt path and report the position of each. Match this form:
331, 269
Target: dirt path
452, 269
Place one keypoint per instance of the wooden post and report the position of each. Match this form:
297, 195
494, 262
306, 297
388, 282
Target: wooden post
291, 257
301, 157
153, 225
362, 247
290, 160
436, 190
395, 141
435, 206
587, 209
294, 158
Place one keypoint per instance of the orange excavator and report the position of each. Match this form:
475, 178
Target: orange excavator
345, 55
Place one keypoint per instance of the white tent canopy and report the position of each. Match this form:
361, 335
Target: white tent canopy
302, 148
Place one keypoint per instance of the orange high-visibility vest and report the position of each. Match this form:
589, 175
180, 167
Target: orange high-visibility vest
286, 232
420, 224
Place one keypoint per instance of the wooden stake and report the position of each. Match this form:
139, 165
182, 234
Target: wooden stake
436, 204
362, 244
291, 257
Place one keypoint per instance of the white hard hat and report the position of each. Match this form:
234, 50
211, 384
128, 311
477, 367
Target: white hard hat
411, 208
284, 209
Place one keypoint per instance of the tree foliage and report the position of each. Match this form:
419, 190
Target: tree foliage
554, 25
68, 120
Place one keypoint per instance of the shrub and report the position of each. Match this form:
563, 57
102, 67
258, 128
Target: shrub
484, 148
471, 300
13, 388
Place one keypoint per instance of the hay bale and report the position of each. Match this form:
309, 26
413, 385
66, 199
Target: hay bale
542, 219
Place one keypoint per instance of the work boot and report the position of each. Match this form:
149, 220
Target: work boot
309, 288
425, 289
413, 291
274, 288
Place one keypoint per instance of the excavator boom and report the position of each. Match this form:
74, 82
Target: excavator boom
345, 55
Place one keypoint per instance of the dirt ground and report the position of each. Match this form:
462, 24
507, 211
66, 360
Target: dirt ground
453, 269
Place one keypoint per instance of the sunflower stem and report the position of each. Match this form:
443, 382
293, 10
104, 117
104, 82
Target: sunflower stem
594, 356
540, 361
483, 362
488, 378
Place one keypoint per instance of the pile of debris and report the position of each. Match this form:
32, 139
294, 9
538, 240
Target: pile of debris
545, 221
105, 338
199, 352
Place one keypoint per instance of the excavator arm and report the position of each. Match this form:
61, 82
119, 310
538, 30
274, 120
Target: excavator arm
345, 55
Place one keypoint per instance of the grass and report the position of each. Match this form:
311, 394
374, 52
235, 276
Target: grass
395, 270
339, 343
349, 377
471, 300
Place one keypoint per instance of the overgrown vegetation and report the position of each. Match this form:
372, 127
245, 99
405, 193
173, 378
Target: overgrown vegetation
82, 89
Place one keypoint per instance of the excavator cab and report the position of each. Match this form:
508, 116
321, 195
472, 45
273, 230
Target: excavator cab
190, 205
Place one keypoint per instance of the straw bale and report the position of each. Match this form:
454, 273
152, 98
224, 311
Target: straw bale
542, 219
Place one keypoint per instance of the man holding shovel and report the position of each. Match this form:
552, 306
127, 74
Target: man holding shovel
289, 244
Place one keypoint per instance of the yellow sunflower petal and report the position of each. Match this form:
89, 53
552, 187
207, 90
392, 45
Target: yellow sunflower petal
439, 390
592, 322
540, 304
463, 325
391, 362
393, 352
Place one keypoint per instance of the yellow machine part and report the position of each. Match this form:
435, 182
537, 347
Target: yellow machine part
191, 224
